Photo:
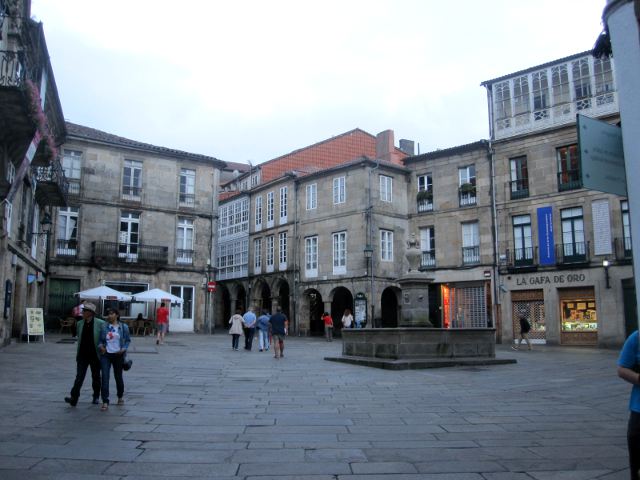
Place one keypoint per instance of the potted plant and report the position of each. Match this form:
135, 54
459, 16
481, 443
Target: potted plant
468, 188
424, 195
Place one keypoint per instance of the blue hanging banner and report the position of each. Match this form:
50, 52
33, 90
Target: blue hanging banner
545, 236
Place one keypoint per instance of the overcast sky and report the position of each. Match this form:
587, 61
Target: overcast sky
252, 80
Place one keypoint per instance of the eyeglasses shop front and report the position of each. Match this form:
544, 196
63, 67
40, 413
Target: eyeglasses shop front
576, 306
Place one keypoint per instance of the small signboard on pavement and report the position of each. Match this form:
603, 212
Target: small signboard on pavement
35, 322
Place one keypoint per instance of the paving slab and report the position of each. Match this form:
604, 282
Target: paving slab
559, 413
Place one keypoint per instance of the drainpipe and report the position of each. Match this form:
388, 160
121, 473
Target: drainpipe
296, 252
370, 243
213, 251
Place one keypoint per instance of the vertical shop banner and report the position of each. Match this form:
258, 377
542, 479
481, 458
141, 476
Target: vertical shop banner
601, 227
545, 236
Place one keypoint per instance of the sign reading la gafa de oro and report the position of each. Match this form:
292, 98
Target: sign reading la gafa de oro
551, 279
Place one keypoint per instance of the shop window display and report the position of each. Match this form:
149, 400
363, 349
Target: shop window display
579, 316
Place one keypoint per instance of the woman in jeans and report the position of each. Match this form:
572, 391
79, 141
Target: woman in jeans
113, 344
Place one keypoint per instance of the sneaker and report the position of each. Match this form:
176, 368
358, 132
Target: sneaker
71, 401
104, 407
120, 401
95, 401
260, 350
513, 347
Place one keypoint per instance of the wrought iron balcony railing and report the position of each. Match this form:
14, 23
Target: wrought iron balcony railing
52, 187
131, 193
113, 253
623, 248
428, 259
569, 180
471, 255
11, 69
67, 248
572, 253
187, 200
519, 188
184, 257
522, 257
425, 205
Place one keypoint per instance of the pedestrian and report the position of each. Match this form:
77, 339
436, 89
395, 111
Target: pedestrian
279, 325
87, 355
249, 322
628, 368
162, 323
113, 345
263, 331
525, 327
236, 328
76, 312
328, 326
347, 318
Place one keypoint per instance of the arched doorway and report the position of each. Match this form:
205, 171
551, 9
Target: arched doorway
389, 303
261, 297
283, 298
341, 299
311, 309
223, 307
241, 298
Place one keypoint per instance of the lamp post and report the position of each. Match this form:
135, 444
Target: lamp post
368, 255
605, 265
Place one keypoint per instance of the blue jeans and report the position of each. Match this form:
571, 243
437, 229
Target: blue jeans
107, 360
263, 338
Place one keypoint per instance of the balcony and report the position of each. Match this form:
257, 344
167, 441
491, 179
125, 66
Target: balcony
519, 188
184, 257
132, 194
572, 254
187, 200
52, 187
471, 255
467, 194
569, 180
67, 248
623, 249
428, 260
129, 254
74, 187
522, 259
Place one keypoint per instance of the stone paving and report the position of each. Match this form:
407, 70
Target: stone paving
196, 409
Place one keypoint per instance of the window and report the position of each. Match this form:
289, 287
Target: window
540, 93
604, 81
339, 194
283, 205
386, 245
258, 213
560, 87
502, 101
233, 257
626, 228
34, 228
187, 187
72, 166
386, 188
568, 168
67, 234
467, 185
234, 217
574, 248
425, 193
282, 250
312, 196
522, 240
129, 236
521, 95
581, 83
8, 211
184, 311
255, 179
10, 173
311, 256
270, 255
257, 255
470, 243
132, 180
428, 247
519, 177
269, 209
184, 241
340, 253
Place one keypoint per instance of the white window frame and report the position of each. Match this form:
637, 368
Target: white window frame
10, 174
130, 252
270, 254
34, 231
270, 207
187, 195
257, 255
72, 164
176, 312
471, 239
312, 196
339, 242
134, 167
65, 229
311, 256
339, 190
386, 188
258, 213
282, 250
386, 245
284, 194
8, 211
184, 241
428, 246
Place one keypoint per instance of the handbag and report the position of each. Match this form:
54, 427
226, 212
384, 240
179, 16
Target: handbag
126, 365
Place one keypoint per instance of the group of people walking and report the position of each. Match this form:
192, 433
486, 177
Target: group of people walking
101, 346
271, 330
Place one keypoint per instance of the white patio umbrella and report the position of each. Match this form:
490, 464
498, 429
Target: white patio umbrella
156, 295
104, 293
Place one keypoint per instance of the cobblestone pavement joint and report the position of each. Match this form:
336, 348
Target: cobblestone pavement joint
197, 409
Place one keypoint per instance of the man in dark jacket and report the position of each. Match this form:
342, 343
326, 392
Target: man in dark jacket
279, 324
87, 354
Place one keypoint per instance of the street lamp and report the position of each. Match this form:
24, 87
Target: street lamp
368, 251
605, 265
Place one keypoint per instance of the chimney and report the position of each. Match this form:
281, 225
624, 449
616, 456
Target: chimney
384, 145
407, 146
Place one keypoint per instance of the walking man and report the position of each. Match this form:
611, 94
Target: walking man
263, 331
87, 355
249, 321
279, 325
162, 323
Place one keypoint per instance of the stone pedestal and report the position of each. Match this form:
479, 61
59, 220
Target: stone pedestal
415, 300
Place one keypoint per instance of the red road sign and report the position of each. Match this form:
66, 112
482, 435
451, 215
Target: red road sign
211, 286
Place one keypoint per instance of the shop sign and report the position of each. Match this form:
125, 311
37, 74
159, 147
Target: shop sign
545, 236
551, 279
